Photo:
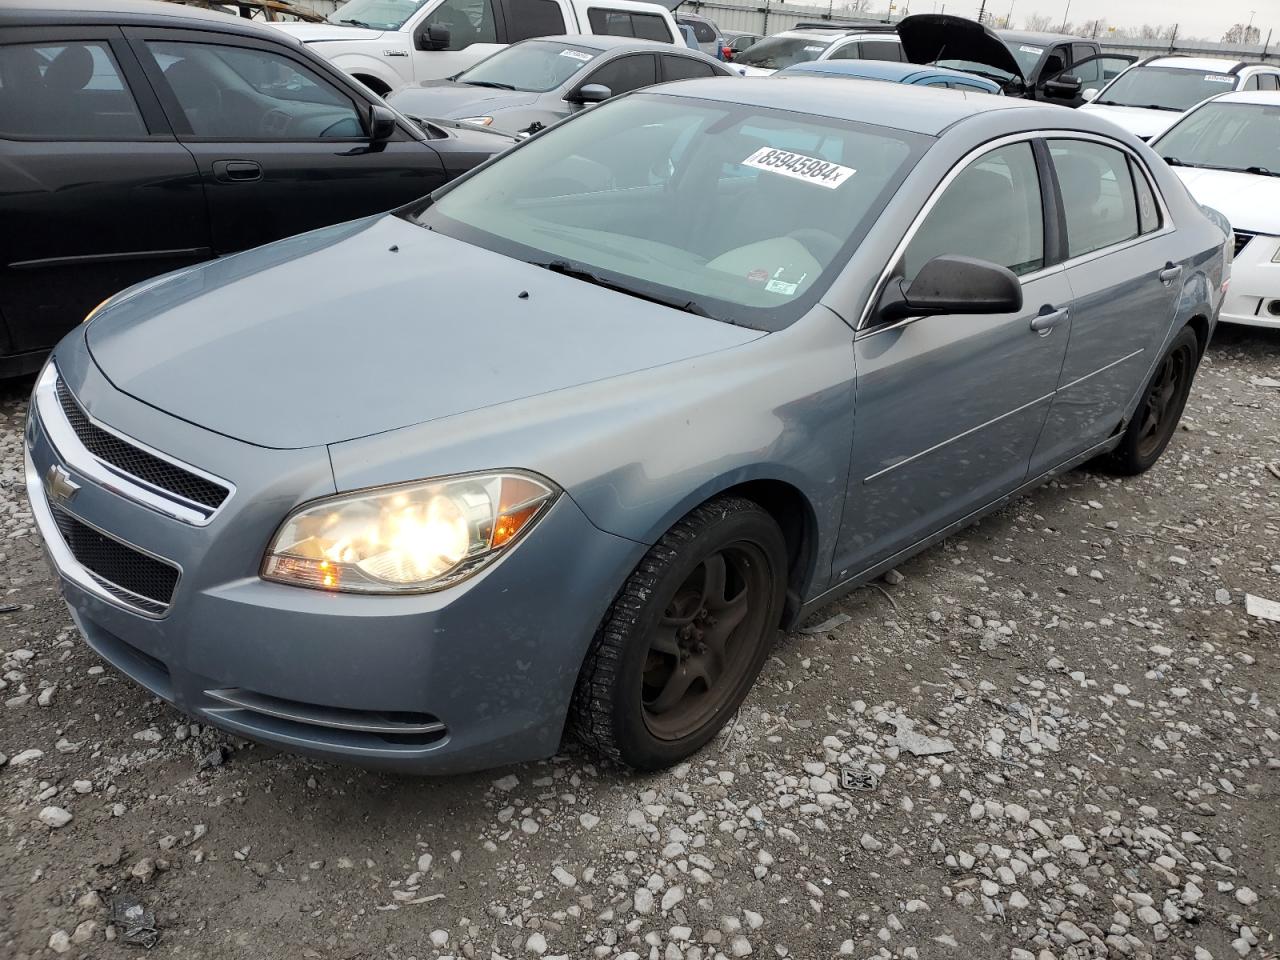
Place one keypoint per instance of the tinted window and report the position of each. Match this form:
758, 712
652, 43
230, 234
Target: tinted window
701, 29
1148, 212
67, 92
238, 93
997, 198
650, 26
625, 73
1097, 195
881, 50
533, 18
847, 51
622, 23
686, 68
468, 22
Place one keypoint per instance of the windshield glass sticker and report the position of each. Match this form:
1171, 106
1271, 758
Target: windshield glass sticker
814, 48
576, 55
1217, 78
824, 173
1035, 50
780, 284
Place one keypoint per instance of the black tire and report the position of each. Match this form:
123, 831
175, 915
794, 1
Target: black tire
674, 658
374, 84
1163, 398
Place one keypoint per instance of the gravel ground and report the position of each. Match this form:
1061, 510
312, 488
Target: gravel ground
1054, 736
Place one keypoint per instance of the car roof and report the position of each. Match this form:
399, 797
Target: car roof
604, 42
900, 107
1197, 64
1264, 97
836, 33
883, 70
14, 12
1039, 39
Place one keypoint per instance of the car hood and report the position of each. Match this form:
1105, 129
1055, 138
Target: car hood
1139, 121
928, 37
370, 326
320, 32
446, 98
1251, 202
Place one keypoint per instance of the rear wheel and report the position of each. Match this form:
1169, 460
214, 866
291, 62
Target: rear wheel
374, 84
1160, 409
683, 642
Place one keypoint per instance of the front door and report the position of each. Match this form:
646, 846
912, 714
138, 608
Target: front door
282, 148
95, 193
1124, 288
949, 407
456, 34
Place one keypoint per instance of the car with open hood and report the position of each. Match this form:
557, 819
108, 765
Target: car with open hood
1227, 152
535, 83
1051, 67
561, 447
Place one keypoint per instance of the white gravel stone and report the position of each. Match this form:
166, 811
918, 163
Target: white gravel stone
55, 817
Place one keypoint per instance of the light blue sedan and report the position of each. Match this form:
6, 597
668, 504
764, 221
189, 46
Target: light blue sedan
563, 445
908, 73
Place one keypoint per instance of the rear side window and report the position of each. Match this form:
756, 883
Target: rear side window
71, 91
701, 30
1097, 195
848, 51
624, 23
686, 68
882, 50
997, 198
1148, 212
533, 18
626, 73
1268, 81
1252, 83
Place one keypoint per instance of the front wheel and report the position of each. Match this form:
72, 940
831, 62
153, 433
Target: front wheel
1160, 409
683, 642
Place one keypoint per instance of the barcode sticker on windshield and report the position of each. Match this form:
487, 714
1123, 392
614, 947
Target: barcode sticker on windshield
1032, 50
814, 48
809, 169
1213, 77
576, 55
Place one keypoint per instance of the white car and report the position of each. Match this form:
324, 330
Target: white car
389, 43
816, 41
1227, 152
1150, 96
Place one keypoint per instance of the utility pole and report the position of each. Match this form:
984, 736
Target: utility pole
1065, 14
1266, 45
982, 12
1173, 37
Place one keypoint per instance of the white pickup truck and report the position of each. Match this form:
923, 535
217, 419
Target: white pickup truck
389, 43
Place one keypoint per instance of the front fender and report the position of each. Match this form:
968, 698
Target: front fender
358, 64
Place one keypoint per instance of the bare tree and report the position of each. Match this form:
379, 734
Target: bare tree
1038, 22
1242, 33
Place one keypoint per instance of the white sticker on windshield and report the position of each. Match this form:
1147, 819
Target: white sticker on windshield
1032, 50
576, 55
824, 173
1214, 78
814, 48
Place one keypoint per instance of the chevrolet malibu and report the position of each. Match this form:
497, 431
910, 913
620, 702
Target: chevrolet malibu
563, 445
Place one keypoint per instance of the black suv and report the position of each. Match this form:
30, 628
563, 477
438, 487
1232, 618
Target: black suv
139, 137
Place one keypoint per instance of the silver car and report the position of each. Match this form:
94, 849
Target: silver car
565, 444
530, 85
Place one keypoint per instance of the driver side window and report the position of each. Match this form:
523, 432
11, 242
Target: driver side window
242, 93
992, 210
468, 22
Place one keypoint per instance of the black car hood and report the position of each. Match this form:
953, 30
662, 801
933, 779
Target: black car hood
930, 37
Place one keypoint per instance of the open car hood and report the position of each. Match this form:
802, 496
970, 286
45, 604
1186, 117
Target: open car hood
930, 37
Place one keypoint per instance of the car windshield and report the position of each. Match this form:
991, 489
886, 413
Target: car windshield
741, 213
376, 14
532, 66
774, 53
1027, 55
981, 69
1165, 88
1226, 136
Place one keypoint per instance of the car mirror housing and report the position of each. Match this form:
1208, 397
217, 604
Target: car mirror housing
433, 36
953, 284
592, 93
1065, 87
382, 123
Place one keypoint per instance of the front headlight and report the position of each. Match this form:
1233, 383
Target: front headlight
478, 121
410, 538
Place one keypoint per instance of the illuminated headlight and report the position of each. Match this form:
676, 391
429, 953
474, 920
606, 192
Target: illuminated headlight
478, 121
410, 538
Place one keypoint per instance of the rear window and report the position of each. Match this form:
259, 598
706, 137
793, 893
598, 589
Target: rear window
533, 18
624, 23
701, 29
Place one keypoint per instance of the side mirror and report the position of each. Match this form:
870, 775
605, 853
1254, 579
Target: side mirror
382, 123
432, 37
1090, 95
953, 284
592, 93
1063, 87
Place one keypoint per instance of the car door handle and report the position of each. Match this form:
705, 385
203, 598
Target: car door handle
237, 171
1043, 323
1170, 273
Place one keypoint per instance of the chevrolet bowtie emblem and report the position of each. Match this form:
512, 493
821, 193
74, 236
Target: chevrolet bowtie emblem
58, 485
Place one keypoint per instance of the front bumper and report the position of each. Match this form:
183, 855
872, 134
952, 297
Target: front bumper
1253, 299
474, 676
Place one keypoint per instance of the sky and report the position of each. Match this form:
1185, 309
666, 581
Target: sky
1195, 17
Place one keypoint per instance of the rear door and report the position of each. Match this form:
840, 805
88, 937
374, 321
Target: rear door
282, 147
1124, 289
676, 67
95, 193
622, 74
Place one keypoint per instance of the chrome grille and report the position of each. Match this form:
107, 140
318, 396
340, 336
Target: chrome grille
1242, 240
136, 462
130, 575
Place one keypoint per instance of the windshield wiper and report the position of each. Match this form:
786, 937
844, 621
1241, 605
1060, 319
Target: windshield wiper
358, 23
1175, 162
1261, 171
488, 83
567, 269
